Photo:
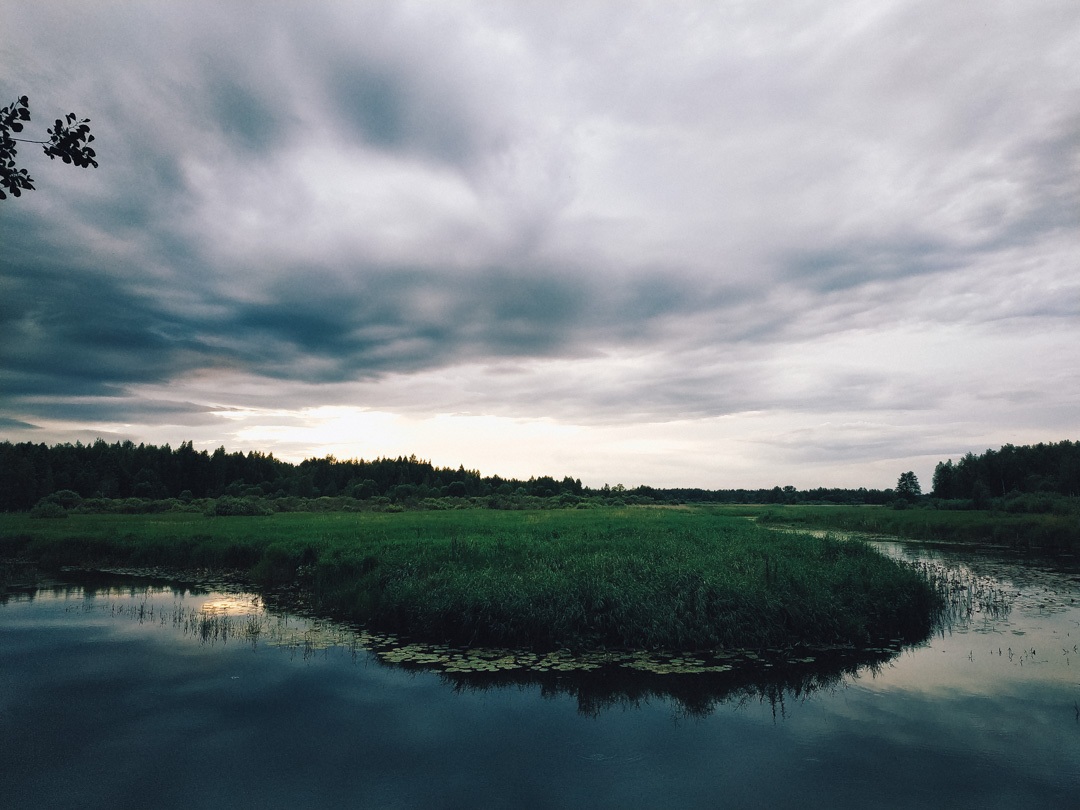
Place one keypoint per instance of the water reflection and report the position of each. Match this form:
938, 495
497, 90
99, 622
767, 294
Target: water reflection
689, 695
695, 684
209, 698
978, 597
980, 592
23, 581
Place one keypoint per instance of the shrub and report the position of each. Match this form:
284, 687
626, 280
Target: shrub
66, 498
46, 508
229, 506
1034, 504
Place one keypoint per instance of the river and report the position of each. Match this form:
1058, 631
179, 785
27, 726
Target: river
124, 691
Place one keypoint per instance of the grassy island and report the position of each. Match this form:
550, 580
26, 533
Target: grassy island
631, 578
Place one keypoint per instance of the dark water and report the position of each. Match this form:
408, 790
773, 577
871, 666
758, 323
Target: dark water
166, 696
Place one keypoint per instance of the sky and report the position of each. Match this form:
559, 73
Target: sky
711, 244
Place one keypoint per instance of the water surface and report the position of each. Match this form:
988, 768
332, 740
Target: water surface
119, 696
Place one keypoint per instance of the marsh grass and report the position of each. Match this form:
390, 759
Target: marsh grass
1017, 530
966, 597
635, 578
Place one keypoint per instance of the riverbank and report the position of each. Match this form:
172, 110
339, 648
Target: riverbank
1047, 531
635, 578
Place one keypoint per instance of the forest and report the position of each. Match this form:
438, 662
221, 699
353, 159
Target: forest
1046, 469
125, 472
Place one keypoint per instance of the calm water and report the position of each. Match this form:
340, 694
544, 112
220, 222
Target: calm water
153, 695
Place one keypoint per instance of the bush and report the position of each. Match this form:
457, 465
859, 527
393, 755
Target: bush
229, 506
954, 504
66, 498
46, 508
95, 506
1032, 504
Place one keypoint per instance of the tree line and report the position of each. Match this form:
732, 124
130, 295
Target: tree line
1041, 469
32, 472
123, 470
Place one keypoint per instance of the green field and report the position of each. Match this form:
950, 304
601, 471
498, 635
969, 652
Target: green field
641, 578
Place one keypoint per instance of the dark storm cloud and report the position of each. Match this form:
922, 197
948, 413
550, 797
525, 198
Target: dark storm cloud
384, 109
132, 410
6, 422
317, 327
858, 263
328, 327
63, 326
72, 330
246, 119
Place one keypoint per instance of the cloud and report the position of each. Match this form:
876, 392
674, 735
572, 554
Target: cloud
6, 422
619, 215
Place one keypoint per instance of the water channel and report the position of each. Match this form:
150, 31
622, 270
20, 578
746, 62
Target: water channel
125, 691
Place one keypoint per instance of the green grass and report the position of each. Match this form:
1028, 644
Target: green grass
635, 578
1036, 531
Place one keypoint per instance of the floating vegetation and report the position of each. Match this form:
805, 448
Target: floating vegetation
600, 680
493, 661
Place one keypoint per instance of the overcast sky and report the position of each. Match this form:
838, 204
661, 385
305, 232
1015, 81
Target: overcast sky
712, 244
